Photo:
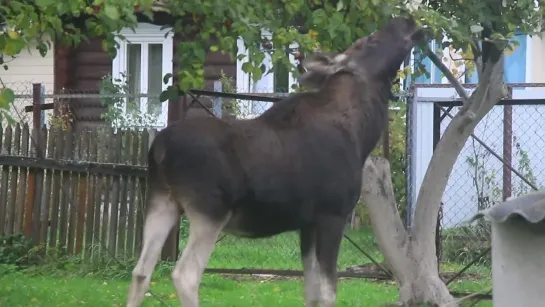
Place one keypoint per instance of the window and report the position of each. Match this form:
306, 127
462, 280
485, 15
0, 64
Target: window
143, 58
274, 82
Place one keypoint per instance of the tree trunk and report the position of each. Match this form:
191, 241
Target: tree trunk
414, 267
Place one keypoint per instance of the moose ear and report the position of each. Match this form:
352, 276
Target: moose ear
318, 67
322, 62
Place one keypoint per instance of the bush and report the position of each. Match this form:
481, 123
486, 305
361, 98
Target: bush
19, 251
13, 248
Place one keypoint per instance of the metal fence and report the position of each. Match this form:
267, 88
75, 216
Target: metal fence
502, 158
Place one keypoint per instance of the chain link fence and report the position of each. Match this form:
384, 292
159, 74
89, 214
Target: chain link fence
23, 98
502, 158
512, 133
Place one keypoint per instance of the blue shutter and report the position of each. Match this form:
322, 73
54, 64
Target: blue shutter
436, 71
515, 63
420, 56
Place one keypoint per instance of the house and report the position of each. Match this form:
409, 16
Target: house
461, 198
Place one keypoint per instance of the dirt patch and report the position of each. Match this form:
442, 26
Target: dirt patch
367, 271
370, 269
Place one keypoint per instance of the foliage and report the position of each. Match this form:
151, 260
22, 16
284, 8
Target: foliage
463, 244
123, 113
230, 106
215, 25
36, 24
65, 117
488, 187
20, 252
13, 248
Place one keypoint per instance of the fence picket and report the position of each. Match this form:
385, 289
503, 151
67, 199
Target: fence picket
96, 204
91, 187
123, 153
38, 141
132, 197
115, 196
65, 191
109, 150
46, 200
82, 183
11, 212
57, 137
6, 191
4, 181
142, 159
23, 183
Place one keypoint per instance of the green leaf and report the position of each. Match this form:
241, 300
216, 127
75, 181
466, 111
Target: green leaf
45, 3
6, 97
319, 17
170, 93
340, 5
214, 48
111, 11
13, 46
166, 78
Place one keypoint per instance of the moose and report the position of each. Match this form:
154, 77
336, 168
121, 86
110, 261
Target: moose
296, 167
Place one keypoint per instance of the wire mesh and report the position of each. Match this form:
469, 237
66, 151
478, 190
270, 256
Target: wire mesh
479, 179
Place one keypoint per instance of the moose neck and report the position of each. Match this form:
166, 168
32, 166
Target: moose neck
362, 107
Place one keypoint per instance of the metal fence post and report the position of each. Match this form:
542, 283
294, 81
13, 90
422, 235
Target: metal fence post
217, 102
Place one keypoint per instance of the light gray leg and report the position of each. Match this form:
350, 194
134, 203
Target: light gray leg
159, 221
310, 266
312, 279
203, 234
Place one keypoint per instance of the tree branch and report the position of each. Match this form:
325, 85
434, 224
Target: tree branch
378, 194
448, 74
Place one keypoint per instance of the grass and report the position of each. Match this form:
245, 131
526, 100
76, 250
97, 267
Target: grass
20, 289
73, 282
282, 252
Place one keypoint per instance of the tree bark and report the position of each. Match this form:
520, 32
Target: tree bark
414, 268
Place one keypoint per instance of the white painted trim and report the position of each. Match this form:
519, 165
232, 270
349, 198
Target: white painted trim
292, 80
145, 34
422, 134
243, 79
528, 78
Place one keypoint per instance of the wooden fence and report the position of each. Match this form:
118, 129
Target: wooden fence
83, 191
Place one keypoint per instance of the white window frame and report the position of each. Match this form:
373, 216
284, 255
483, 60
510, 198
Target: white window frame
145, 34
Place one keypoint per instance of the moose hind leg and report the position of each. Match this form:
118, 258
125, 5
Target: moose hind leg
161, 217
187, 274
310, 266
329, 233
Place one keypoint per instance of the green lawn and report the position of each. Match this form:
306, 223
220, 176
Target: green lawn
18, 289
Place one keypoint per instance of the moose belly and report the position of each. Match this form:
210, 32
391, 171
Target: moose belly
252, 224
